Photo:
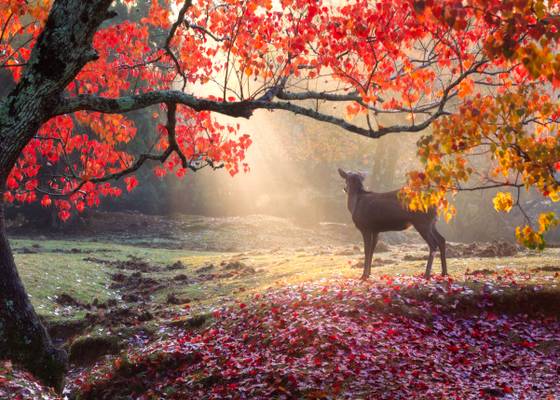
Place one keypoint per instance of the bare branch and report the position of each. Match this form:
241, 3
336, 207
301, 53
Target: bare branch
171, 35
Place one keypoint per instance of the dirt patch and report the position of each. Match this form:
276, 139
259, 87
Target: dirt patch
345, 252
173, 299
469, 250
108, 304
194, 322
381, 247
176, 265
205, 269
135, 287
73, 250
483, 271
547, 268
36, 248
184, 279
65, 300
135, 264
235, 268
227, 269
26, 250
132, 264
121, 316
476, 249
381, 261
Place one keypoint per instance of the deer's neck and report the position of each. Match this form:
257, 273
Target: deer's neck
352, 202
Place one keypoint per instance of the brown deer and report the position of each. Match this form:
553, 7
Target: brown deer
373, 213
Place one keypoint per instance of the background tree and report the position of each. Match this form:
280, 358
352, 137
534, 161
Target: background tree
78, 78
514, 127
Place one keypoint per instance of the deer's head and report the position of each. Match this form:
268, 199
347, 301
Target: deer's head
354, 181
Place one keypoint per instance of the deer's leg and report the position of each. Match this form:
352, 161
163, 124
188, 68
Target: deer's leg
425, 232
441, 244
368, 252
374, 237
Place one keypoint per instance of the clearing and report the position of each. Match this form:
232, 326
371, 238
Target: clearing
261, 288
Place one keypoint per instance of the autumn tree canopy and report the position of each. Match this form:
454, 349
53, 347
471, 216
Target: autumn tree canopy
421, 60
483, 74
511, 122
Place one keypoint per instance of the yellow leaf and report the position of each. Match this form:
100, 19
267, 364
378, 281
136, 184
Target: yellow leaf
503, 201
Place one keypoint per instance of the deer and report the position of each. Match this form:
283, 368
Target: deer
373, 213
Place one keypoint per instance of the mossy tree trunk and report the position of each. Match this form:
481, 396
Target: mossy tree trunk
62, 49
23, 339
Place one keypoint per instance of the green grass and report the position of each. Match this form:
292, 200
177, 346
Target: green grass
54, 270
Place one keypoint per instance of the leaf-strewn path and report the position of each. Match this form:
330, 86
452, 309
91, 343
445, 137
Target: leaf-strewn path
348, 339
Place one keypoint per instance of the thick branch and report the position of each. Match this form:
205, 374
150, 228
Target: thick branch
243, 109
311, 95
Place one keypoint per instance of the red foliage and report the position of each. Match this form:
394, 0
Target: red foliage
16, 384
342, 339
241, 49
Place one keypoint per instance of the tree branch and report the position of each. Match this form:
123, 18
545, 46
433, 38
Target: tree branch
375, 134
68, 105
245, 108
242, 109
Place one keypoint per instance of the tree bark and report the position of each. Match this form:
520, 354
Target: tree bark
23, 339
62, 49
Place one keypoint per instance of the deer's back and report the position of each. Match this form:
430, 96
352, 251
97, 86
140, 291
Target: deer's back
385, 212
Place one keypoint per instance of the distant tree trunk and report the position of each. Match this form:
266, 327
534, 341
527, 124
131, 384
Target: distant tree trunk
385, 163
23, 339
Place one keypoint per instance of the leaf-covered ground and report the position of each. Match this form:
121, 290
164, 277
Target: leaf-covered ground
385, 339
19, 385
150, 304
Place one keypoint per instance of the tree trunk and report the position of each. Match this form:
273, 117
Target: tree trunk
23, 339
61, 51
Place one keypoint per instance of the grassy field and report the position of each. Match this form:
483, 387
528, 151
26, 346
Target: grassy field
84, 270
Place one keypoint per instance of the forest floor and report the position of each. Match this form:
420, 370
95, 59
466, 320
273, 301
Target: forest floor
135, 286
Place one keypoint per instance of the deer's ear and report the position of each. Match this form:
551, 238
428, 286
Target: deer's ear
342, 173
362, 176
